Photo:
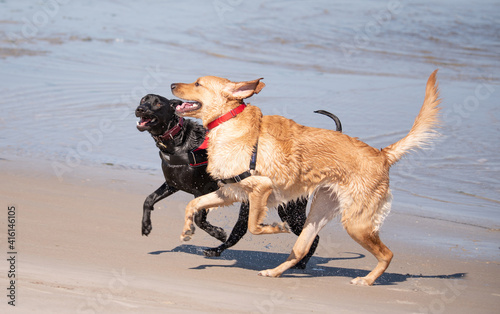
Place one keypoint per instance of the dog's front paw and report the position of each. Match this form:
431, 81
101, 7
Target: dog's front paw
146, 227
186, 234
360, 281
214, 252
281, 227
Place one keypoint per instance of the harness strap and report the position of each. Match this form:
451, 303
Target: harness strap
246, 174
196, 157
231, 114
193, 158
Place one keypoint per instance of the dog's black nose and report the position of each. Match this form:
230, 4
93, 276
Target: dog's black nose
173, 86
139, 111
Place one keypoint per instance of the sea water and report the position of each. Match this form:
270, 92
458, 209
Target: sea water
72, 73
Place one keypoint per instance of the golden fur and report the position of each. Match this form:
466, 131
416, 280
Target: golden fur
344, 175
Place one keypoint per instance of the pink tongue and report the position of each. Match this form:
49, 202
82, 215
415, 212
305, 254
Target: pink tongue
144, 121
183, 106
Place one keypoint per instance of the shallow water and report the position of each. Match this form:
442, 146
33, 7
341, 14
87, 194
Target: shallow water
73, 72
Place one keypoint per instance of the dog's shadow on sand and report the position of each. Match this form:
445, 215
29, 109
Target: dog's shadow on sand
255, 260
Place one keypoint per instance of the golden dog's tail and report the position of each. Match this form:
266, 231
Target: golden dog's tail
422, 130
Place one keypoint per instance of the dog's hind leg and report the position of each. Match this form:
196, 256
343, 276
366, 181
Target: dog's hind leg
209, 200
294, 213
324, 207
239, 230
162, 192
200, 219
259, 188
364, 234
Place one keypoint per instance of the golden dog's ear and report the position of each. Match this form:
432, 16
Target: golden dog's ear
242, 90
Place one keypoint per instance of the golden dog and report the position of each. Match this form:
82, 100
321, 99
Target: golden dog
345, 176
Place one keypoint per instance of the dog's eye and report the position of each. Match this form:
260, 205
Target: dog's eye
197, 84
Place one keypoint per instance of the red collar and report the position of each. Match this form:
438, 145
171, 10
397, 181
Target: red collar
169, 134
231, 114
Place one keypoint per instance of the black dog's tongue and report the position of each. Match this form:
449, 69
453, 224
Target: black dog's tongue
143, 121
141, 125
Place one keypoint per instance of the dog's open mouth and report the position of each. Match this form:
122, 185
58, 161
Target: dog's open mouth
146, 122
187, 106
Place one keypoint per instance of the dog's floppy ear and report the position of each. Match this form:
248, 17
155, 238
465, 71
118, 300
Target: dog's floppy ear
242, 90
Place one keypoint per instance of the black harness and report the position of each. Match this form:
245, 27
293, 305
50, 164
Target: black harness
195, 158
246, 174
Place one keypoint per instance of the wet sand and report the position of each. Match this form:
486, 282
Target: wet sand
79, 249
71, 68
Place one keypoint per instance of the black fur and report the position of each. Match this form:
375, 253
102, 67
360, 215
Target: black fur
157, 116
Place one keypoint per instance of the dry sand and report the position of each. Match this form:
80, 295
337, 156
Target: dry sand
79, 249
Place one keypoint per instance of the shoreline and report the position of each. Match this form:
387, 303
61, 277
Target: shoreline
75, 72
80, 249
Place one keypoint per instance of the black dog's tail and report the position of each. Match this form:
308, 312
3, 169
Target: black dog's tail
334, 117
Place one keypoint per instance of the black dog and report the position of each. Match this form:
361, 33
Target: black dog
184, 161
